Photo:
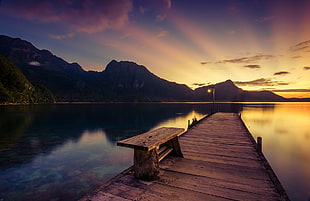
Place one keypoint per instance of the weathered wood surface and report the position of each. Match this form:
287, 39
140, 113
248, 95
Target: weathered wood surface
151, 139
150, 148
220, 163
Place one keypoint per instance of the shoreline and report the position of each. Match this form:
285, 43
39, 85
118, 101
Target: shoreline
121, 102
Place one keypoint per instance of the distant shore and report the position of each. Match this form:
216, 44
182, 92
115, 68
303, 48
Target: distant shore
294, 100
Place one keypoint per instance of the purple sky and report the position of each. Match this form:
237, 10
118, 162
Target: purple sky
259, 44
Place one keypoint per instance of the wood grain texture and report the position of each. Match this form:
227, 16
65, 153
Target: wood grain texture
152, 139
146, 164
220, 163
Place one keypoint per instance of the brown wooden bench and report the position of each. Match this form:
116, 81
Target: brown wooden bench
150, 148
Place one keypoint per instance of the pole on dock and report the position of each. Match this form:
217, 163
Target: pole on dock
259, 145
212, 90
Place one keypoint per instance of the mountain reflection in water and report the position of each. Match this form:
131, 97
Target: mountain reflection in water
64, 151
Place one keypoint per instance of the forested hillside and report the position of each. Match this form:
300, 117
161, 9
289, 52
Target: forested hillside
15, 88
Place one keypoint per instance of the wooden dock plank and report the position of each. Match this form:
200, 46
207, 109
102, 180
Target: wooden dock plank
218, 171
103, 196
155, 191
221, 141
226, 145
220, 188
220, 163
241, 150
222, 159
204, 150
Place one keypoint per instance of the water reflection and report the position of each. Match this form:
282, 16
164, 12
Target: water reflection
30, 130
62, 152
67, 172
285, 130
27, 130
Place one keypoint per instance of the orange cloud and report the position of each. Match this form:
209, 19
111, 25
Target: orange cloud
248, 59
260, 82
60, 37
162, 33
302, 46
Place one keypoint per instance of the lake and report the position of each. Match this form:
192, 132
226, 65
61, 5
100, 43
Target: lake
64, 151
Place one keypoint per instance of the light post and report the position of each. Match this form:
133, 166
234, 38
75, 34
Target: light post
212, 90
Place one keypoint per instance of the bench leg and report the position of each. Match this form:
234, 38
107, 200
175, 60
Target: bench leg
146, 165
174, 143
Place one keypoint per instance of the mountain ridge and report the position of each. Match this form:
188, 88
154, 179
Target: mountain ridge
28, 54
123, 81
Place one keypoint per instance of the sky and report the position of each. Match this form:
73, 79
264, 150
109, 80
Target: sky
258, 44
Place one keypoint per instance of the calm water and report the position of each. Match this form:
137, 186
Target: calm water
285, 128
62, 152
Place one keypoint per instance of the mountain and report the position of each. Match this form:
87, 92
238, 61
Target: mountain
120, 81
128, 81
228, 91
259, 96
41, 66
25, 55
224, 91
15, 88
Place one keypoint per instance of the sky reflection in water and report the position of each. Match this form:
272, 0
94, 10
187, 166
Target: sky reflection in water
286, 142
65, 151
69, 170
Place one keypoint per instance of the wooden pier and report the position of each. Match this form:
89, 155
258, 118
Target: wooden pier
220, 162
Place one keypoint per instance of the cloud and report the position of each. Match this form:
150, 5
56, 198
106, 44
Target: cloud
84, 15
142, 9
162, 33
160, 17
303, 46
236, 8
291, 90
281, 73
252, 66
233, 9
168, 3
34, 63
158, 8
250, 59
296, 57
199, 84
260, 82
231, 32
265, 19
307, 68
205, 62
60, 37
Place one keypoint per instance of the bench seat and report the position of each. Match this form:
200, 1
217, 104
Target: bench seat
150, 148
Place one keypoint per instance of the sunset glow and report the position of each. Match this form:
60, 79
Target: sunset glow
258, 44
